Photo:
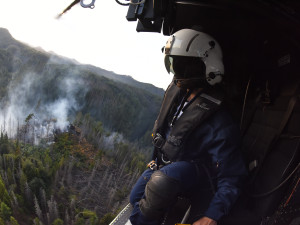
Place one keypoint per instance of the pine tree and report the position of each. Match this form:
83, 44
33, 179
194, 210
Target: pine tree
79, 221
52, 206
36, 221
23, 182
18, 148
67, 217
69, 173
3, 193
10, 176
43, 199
13, 221
58, 222
28, 192
15, 200
72, 207
87, 214
5, 211
38, 210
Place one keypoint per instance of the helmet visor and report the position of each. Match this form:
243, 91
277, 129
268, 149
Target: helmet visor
185, 67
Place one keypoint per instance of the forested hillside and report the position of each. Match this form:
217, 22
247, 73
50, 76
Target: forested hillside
72, 140
32, 81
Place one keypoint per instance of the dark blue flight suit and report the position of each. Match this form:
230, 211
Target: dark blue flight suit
215, 142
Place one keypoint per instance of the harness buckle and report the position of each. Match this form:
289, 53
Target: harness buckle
158, 141
152, 165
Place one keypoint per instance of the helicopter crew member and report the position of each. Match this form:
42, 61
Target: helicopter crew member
193, 129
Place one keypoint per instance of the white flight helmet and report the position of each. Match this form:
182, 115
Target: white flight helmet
194, 58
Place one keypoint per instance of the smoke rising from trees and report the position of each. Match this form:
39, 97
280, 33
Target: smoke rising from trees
91, 166
50, 107
41, 92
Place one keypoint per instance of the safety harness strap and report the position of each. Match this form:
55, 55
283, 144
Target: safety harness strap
200, 109
171, 95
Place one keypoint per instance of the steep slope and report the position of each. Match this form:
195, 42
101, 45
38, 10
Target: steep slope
54, 87
54, 172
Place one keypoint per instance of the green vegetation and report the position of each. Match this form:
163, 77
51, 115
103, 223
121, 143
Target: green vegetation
107, 218
76, 141
37, 181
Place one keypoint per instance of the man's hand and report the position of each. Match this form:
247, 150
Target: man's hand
205, 221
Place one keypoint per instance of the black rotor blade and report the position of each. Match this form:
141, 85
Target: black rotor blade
69, 7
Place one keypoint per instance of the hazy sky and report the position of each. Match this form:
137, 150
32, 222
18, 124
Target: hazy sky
101, 36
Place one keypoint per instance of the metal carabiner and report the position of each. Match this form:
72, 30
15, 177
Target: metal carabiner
91, 5
165, 161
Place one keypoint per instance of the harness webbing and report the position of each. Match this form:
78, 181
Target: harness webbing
199, 108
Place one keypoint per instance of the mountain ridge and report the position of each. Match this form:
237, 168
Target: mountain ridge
62, 88
7, 39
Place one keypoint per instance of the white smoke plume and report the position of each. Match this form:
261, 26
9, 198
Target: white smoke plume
44, 111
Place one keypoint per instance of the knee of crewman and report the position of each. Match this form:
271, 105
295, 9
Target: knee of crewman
160, 192
163, 184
